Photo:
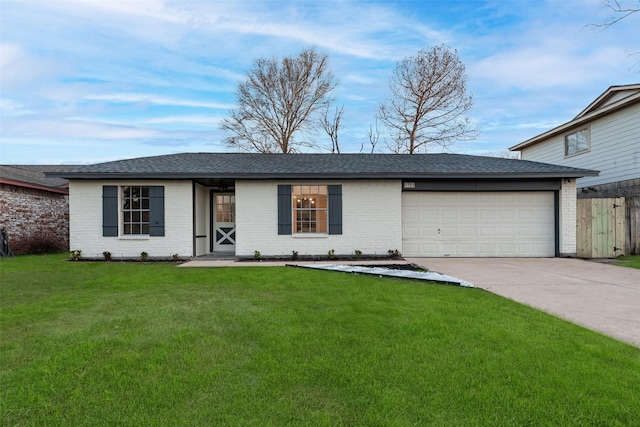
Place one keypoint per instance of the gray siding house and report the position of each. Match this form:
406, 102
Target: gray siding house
605, 136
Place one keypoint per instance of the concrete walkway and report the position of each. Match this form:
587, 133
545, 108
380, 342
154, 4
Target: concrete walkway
204, 262
601, 297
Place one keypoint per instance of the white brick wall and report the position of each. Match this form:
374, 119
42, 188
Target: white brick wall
371, 220
568, 218
85, 211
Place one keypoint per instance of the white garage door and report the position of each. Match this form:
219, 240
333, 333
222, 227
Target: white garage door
478, 224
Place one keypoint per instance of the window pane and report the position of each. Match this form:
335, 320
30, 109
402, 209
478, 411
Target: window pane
309, 204
135, 210
577, 142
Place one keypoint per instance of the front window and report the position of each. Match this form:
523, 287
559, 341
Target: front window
225, 208
576, 142
135, 210
309, 208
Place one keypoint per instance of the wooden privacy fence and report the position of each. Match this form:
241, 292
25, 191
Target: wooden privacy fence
600, 232
632, 246
607, 228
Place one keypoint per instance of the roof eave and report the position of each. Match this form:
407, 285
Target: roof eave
577, 122
605, 95
59, 190
301, 176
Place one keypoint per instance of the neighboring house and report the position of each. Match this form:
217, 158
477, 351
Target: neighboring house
34, 209
605, 136
431, 205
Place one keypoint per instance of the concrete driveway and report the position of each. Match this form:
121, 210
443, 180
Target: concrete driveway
602, 297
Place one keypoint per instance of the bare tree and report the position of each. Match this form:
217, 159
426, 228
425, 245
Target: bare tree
618, 10
374, 137
428, 102
331, 126
280, 100
505, 154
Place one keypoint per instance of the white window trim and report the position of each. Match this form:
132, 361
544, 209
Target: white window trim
564, 142
310, 235
134, 237
121, 235
306, 234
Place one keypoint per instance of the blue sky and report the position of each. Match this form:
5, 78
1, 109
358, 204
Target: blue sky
92, 81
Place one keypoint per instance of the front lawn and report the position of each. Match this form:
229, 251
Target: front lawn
632, 261
91, 344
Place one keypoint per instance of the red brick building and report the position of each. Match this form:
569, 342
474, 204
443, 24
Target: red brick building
34, 209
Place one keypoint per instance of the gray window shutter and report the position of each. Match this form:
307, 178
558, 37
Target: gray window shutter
335, 209
284, 209
109, 210
156, 211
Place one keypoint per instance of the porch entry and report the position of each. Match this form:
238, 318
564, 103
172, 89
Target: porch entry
224, 222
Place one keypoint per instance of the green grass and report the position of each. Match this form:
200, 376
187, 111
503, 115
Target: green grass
632, 261
91, 344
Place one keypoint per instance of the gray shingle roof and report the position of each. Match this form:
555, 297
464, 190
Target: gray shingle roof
339, 166
34, 174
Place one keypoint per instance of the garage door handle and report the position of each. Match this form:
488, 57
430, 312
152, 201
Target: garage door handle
439, 231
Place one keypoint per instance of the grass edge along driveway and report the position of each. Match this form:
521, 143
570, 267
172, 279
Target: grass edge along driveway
90, 344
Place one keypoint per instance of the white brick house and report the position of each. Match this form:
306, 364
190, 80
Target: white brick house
430, 205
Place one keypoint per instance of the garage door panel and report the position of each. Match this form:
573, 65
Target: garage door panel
467, 231
507, 231
409, 214
466, 250
468, 214
484, 232
468, 224
507, 214
430, 215
487, 214
430, 249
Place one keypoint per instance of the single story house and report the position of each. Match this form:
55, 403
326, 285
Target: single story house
34, 209
422, 205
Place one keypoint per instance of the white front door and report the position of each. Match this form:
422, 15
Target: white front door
224, 222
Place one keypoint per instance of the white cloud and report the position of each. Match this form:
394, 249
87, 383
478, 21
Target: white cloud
195, 120
141, 98
18, 67
10, 107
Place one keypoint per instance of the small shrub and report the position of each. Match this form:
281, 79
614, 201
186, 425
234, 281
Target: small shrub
144, 256
358, 253
394, 254
294, 255
107, 255
256, 254
331, 254
39, 244
75, 255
